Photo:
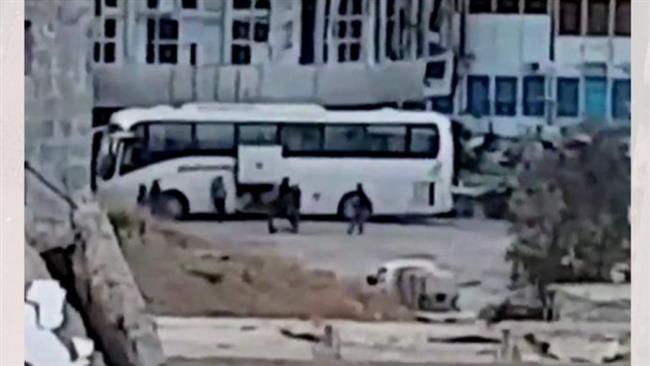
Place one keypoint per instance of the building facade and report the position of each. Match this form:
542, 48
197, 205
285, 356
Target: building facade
532, 62
508, 65
344, 53
59, 90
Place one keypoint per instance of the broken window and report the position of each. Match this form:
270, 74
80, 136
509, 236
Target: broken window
189, 4
347, 30
508, 6
598, 17
622, 22
478, 91
505, 101
621, 90
570, 17
250, 29
534, 96
480, 6
28, 47
110, 3
162, 41
568, 97
535, 6
152, 4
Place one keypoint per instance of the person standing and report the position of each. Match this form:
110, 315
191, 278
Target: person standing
218, 192
154, 198
360, 210
286, 205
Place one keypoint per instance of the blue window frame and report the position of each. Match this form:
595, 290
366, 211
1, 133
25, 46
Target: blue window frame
534, 96
443, 104
478, 91
621, 92
596, 98
505, 101
568, 97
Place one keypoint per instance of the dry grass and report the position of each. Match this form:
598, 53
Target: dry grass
185, 276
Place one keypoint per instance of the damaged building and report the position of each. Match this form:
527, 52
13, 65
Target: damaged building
338, 53
505, 65
508, 65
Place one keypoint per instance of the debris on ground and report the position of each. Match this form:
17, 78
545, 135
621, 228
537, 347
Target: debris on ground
183, 275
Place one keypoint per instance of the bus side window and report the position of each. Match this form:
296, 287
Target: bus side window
170, 137
258, 134
302, 138
425, 140
345, 138
385, 139
215, 136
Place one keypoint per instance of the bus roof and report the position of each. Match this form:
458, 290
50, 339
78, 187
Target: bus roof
297, 113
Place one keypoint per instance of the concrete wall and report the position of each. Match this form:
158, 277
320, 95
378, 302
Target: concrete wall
59, 91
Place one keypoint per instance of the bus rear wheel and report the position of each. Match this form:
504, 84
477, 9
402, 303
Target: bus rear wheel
173, 205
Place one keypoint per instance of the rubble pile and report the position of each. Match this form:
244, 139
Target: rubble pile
181, 275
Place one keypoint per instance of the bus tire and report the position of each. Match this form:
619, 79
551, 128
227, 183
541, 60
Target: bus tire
343, 203
174, 205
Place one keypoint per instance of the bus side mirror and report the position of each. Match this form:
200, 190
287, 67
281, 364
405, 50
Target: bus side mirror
107, 166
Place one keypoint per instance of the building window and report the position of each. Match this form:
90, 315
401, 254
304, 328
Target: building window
105, 47
622, 23
508, 6
621, 93
480, 6
152, 4
568, 97
596, 98
505, 101
162, 41
435, 71
443, 104
249, 29
28, 47
478, 102
535, 6
534, 96
570, 17
189, 4
347, 30
598, 17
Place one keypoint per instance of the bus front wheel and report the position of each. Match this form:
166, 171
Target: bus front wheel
173, 205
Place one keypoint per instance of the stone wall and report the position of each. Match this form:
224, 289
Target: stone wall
59, 90
82, 252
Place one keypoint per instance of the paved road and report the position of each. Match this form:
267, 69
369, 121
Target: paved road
474, 249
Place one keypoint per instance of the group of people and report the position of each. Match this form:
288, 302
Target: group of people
287, 205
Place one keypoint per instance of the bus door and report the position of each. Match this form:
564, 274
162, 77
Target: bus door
260, 164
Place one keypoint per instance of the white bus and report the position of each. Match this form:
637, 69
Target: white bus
404, 159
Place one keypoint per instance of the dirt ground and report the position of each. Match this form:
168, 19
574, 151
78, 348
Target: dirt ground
182, 275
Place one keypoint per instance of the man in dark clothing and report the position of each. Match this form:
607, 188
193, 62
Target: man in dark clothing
142, 206
358, 209
154, 197
218, 193
286, 205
